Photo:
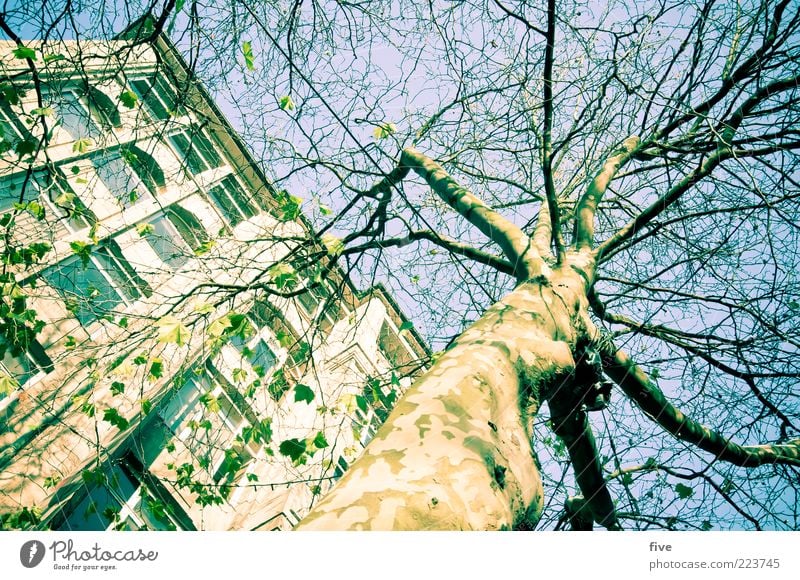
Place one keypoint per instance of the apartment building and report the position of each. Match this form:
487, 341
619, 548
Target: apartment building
178, 351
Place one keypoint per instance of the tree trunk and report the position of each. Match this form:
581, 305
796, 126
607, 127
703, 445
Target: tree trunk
455, 454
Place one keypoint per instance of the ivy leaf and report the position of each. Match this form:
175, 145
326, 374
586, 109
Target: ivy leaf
706, 525
145, 229
286, 103
793, 305
210, 402
332, 244
294, 449
204, 248
146, 405
25, 147
48, 58
43, 111
129, 99
290, 206
24, 52
83, 250
156, 369
406, 326
362, 403
203, 308
324, 209
319, 441
283, 275
383, 130
247, 52
683, 491
7, 385
82, 145
171, 330
303, 393
117, 388
113, 417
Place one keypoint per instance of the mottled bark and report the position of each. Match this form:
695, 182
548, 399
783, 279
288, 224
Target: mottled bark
456, 452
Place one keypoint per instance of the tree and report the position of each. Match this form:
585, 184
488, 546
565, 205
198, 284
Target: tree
598, 194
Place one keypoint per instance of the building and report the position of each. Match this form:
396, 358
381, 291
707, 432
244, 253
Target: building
172, 356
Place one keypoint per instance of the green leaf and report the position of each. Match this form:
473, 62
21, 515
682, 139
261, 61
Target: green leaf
324, 209
7, 385
82, 145
147, 406
294, 449
43, 111
210, 402
383, 130
793, 305
407, 325
129, 99
319, 441
145, 229
156, 369
75, 170
48, 58
25, 147
247, 52
82, 250
117, 388
66, 199
683, 491
204, 248
203, 308
172, 331
113, 417
283, 275
333, 245
286, 103
706, 525
362, 403
24, 52
303, 393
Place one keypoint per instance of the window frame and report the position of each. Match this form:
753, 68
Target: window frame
196, 151
128, 286
233, 211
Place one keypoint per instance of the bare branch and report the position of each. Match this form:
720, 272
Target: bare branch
635, 383
516, 246
587, 206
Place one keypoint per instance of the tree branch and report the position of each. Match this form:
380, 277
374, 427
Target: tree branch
445, 242
517, 247
635, 383
587, 206
547, 134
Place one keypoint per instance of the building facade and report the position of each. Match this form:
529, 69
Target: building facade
178, 350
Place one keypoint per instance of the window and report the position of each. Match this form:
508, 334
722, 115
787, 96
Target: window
102, 108
158, 98
176, 235
196, 150
95, 286
118, 499
326, 295
39, 207
205, 417
130, 175
11, 130
341, 467
58, 196
17, 368
233, 201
